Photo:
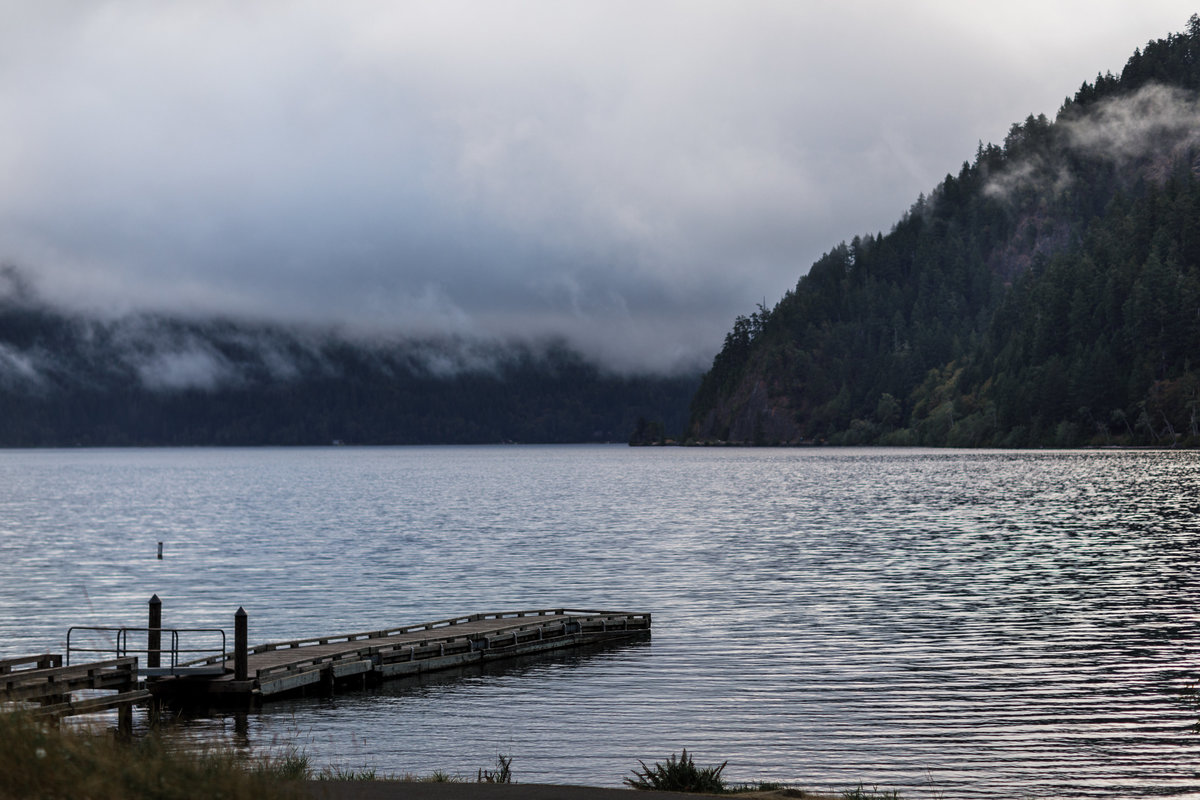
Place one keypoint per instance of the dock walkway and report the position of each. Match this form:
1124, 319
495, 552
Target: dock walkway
269, 671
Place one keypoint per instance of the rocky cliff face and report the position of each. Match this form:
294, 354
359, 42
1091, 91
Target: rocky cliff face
751, 415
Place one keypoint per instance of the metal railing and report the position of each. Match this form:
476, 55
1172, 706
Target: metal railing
156, 652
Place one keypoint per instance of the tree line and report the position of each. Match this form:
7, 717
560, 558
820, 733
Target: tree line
67, 381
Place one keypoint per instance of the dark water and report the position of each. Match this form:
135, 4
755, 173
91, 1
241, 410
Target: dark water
946, 623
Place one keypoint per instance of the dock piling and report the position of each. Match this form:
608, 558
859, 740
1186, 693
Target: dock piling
241, 646
154, 634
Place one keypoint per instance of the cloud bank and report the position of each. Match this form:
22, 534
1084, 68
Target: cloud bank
627, 176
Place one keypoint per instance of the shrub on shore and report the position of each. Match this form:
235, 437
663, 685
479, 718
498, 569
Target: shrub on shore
501, 774
678, 775
682, 775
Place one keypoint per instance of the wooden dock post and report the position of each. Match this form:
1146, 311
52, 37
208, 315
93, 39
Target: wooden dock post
154, 634
125, 721
241, 646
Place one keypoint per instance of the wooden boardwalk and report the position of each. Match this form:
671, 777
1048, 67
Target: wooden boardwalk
357, 660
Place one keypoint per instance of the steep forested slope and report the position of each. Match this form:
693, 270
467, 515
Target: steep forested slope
143, 380
1046, 294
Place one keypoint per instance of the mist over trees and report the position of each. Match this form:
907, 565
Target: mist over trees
1048, 294
67, 380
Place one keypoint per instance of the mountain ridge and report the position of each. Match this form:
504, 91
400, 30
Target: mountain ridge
1048, 294
149, 380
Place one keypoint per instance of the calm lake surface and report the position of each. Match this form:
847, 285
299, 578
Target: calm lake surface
945, 623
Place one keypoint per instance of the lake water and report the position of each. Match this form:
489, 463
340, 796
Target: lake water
945, 623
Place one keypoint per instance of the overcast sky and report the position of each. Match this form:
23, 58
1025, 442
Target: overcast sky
630, 175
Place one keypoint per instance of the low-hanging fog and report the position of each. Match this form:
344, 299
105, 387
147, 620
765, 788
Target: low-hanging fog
626, 176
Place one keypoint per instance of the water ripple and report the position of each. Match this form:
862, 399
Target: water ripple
950, 623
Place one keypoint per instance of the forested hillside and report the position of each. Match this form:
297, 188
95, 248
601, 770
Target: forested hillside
146, 380
1047, 294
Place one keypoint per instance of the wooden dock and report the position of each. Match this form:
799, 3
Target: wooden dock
247, 677
42, 686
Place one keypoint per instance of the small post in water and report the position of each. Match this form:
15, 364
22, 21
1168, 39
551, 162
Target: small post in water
154, 635
241, 656
160, 551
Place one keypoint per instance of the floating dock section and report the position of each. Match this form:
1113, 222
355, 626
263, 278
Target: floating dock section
249, 676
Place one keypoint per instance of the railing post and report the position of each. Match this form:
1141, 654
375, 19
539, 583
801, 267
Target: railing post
241, 656
154, 635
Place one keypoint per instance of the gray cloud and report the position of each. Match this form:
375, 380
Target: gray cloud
194, 368
18, 369
1159, 122
628, 176
1145, 133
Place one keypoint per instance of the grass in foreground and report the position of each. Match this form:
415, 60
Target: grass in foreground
41, 760
870, 794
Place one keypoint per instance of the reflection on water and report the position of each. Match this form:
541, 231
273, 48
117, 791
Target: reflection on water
948, 623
